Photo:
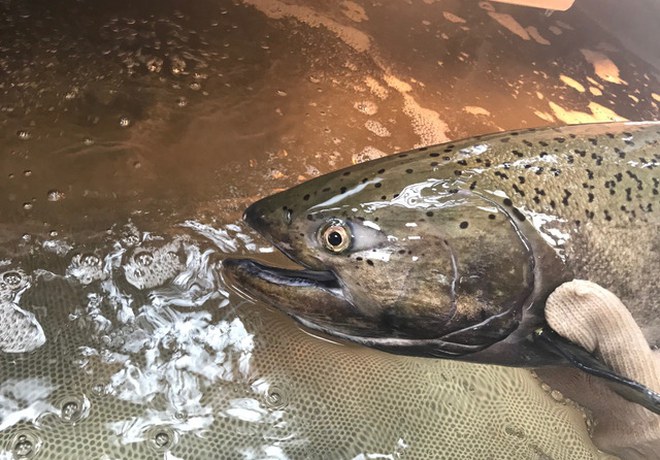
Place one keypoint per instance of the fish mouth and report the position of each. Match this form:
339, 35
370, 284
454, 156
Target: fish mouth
284, 277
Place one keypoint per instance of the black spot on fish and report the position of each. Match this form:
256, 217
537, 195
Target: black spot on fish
591, 197
518, 190
507, 202
326, 189
607, 215
458, 173
429, 213
539, 171
464, 225
519, 215
409, 171
590, 214
501, 175
629, 194
403, 155
633, 176
590, 174
618, 177
561, 140
570, 159
473, 185
593, 141
381, 171
517, 153
383, 197
310, 217
378, 185
567, 195
306, 197
543, 154
422, 149
528, 143
342, 190
629, 142
434, 154
620, 152
536, 199
487, 163
521, 179
505, 140
543, 143
434, 164
359, 259
364, 181
346, 173
396, 195
491, 216
402, 251
446, 158
462, 162
582, 153
553, 205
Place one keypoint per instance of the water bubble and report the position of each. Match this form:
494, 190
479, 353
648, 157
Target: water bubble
124, 122
25, 445
71, 94
88, 141
144, 258
11, 175
27, 173
195, 86
155, 64
53, 233
182, 101
55, 195
69, 410
89, 260
13, 279
23, 134
178, 65
277, 397
281, 93
162, 438
27, 206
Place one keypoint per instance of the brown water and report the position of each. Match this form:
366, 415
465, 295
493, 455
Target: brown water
132, 138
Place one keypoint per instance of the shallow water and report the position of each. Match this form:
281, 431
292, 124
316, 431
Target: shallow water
133, 138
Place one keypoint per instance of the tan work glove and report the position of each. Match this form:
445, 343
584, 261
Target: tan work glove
594, 318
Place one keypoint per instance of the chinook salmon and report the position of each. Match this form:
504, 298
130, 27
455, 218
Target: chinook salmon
451, 251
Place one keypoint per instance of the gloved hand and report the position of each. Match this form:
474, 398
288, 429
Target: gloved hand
594, 318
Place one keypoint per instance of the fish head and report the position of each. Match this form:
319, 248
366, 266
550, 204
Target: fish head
412, 265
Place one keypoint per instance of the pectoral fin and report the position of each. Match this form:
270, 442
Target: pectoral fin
577, 356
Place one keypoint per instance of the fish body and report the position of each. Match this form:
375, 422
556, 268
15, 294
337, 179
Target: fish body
451, 250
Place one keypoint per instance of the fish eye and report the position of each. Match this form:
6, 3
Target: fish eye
335, 236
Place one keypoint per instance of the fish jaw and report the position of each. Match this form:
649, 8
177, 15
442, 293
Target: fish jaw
318, 296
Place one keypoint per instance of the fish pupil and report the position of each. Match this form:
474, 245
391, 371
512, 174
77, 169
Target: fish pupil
335, 239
